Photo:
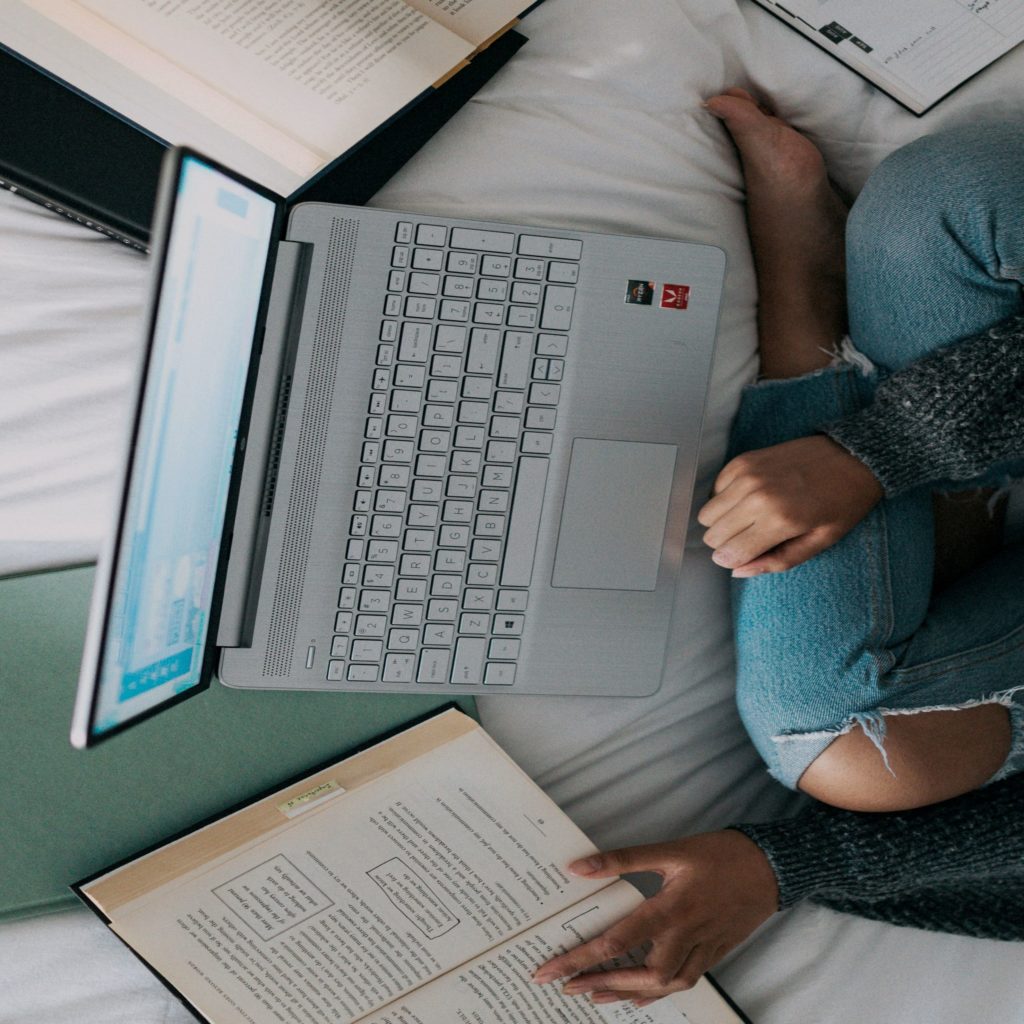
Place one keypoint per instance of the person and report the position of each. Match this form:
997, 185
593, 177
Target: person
899, 710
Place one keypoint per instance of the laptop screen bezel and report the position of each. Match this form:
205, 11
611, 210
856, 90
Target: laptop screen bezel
83, 729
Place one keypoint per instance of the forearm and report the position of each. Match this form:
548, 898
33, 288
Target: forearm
950, 416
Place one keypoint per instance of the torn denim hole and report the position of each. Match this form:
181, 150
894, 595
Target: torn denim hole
846, 354
873, 725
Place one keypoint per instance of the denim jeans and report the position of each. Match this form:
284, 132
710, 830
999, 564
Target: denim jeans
935, 254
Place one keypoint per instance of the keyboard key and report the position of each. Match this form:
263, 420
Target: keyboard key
552, 344
414, 565
469, 661
556, 369
442, 610
454, 309
458, 287
544, 394
433, 667
403, 232
530, 270
484, 346
469, 437
421, 307
442, 391
535, 443
418, 540
540, 418
350, 574
374, 600
396, 451
343, 622
354, 549
378, 575
393, 476
389, 501
382, 551
450, 560
427, 259
446, 366
477, 599
521, 541
495, 266
399, 668
503, 647
415, 344
501, 451
482, 574
401, 426
453, 535
424, 284
526, 292
512, 600
474, 623
369, 626
465, 462
347, 598
385, 355
504, 426
438, 634
388, 330
462, 262
563, 273
400, 256
396, 281
476, 387
485, 550
366, 650
516, 357
411, 590
497, 476
407, 615
461, 486
403, 639
431, 465
492, 289
489, 526
509, 401
493, 501
431, 234
410, 376
435, 440
450, 338
553, 248
393, 305
557, 311
488, 313
506, 624
500, 674
473, 412
427, 490
484, 241
339, 647
405, 401
521, 316
362, 673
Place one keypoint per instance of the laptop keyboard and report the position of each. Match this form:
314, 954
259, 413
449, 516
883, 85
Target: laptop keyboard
455, 457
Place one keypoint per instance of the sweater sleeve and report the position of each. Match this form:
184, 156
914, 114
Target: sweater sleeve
936, 860
949, 416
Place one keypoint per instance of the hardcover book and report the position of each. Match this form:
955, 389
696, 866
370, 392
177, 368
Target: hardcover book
421, 880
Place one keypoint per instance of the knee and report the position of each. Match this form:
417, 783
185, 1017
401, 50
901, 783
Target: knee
944, 186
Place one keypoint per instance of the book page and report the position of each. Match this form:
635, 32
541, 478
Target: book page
496, 988
921, 48
365, 895
476, 21
117, 72
327, 73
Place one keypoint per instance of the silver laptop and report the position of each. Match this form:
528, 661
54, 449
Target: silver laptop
381, 452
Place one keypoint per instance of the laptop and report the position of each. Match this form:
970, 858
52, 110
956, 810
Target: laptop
383, 452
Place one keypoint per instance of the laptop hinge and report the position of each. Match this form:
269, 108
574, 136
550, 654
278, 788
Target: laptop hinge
263, 445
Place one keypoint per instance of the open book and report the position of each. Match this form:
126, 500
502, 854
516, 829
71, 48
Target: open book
917, 51
277, 91
416, 882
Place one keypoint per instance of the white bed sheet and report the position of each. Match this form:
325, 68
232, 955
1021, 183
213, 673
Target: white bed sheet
595, 124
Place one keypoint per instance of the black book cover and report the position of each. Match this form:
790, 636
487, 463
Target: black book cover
61, 149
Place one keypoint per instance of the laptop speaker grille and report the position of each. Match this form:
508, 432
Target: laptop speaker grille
316, 412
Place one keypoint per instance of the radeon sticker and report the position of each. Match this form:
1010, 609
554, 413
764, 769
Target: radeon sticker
675, 296
640, 293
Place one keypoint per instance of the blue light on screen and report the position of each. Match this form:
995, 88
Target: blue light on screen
177, 496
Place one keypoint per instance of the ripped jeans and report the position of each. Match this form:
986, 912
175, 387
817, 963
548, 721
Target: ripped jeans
935, 253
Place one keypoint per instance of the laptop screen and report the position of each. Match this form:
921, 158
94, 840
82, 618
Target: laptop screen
167, 550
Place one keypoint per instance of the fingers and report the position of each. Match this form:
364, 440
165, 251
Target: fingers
787, 555
629, 933
652, 857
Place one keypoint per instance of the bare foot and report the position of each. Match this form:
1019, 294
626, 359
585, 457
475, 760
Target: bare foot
796, 221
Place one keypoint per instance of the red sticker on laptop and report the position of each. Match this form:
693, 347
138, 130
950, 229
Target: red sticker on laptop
675, 296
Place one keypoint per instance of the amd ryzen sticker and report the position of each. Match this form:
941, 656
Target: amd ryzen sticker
675, 296
640, 293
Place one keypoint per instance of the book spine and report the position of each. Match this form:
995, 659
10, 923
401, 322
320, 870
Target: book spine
64, 210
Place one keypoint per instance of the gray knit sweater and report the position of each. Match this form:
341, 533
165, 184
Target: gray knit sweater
949, 417
957, 866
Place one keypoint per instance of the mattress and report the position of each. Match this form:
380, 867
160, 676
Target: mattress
596, 125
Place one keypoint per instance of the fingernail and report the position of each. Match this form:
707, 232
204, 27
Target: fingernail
722, 558
573, 988
743, 574
585, 866
604, 997
544, 975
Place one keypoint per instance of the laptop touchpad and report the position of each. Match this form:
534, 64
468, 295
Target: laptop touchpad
613, 519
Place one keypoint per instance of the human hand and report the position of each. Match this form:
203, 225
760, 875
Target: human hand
717, 889
776, 507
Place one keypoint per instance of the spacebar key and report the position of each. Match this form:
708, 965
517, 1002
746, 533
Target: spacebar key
521, 540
